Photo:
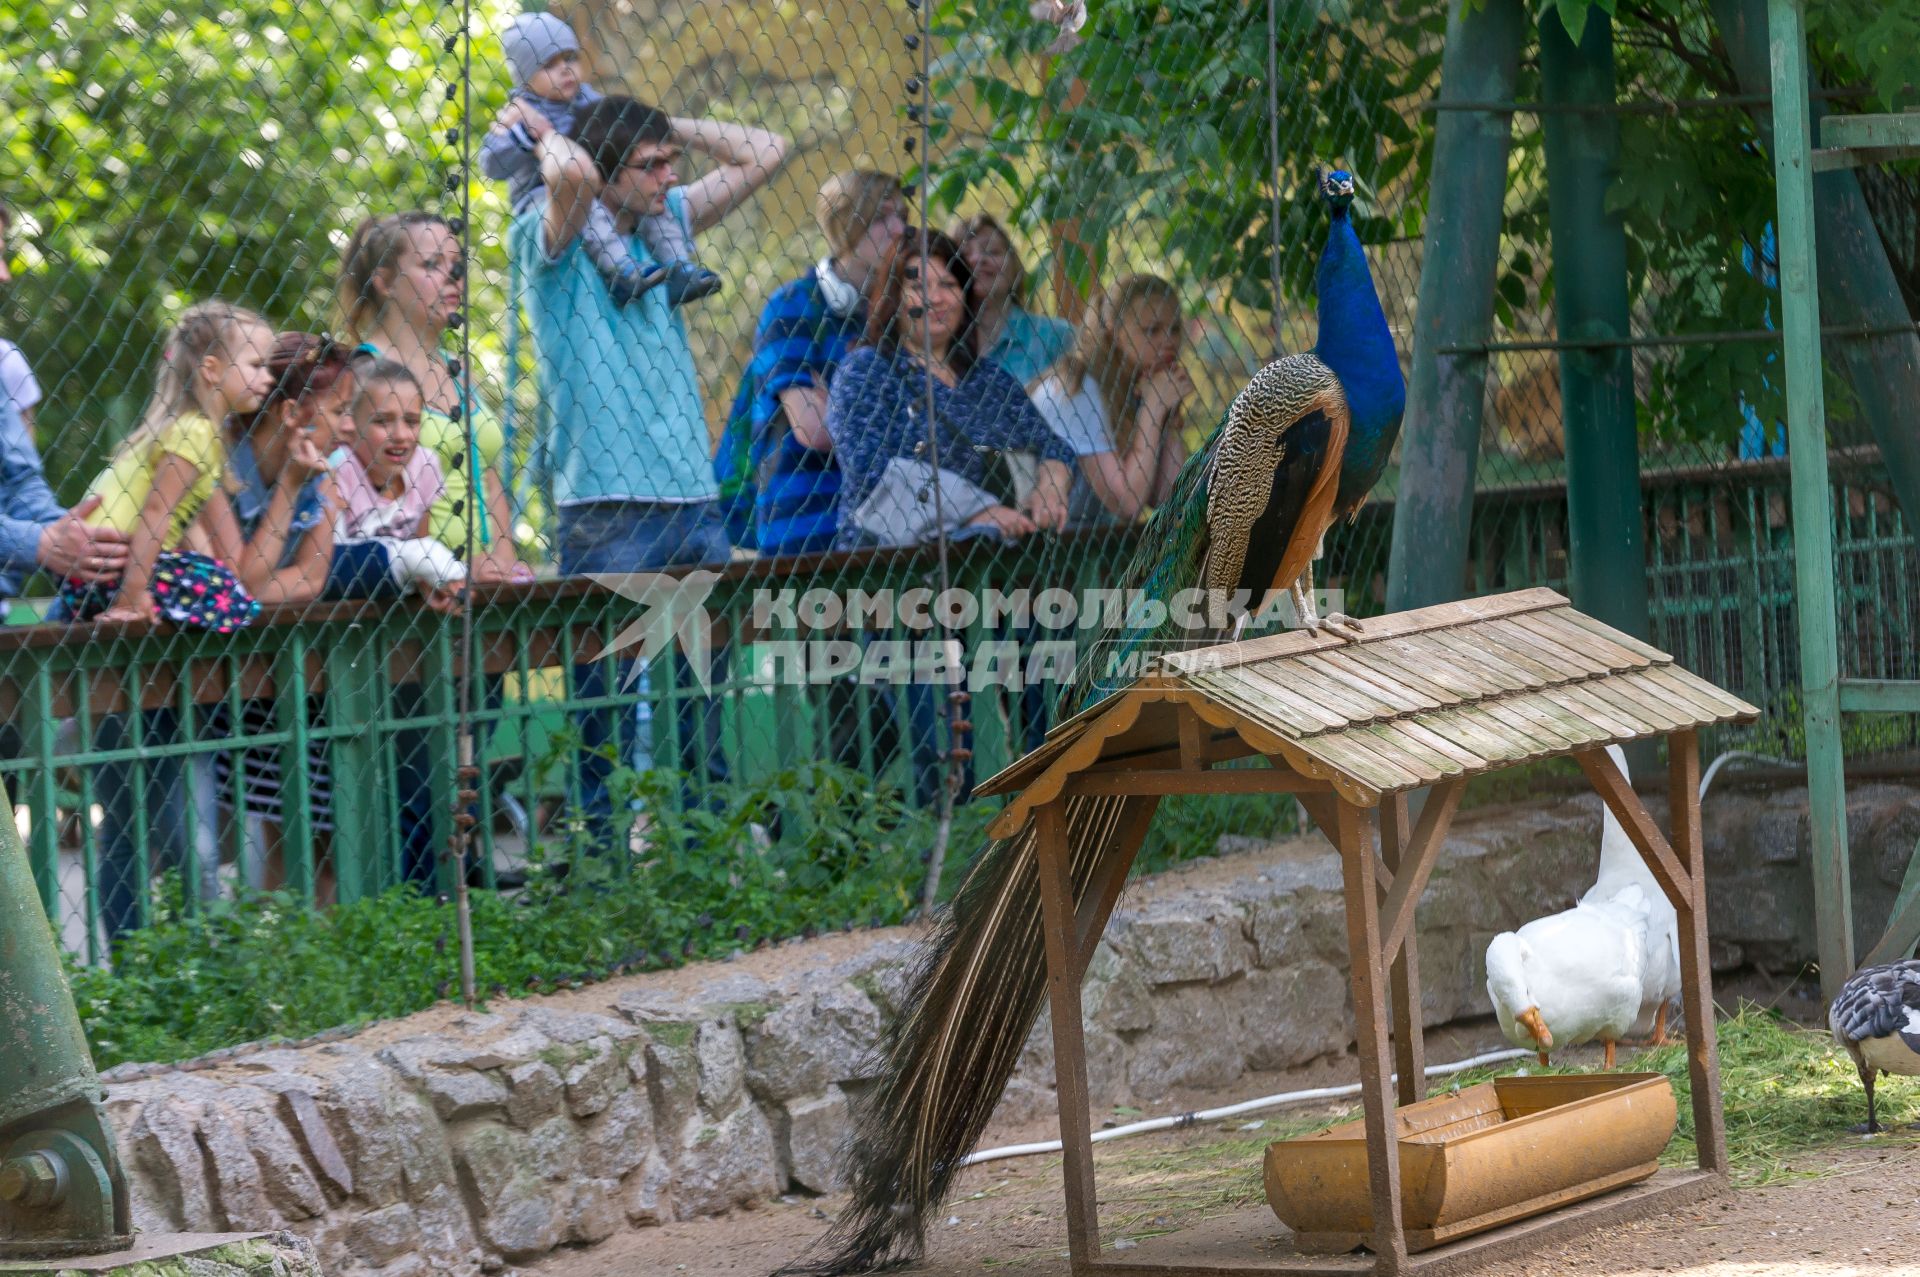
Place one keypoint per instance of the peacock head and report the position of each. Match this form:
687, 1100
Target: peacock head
1337, 187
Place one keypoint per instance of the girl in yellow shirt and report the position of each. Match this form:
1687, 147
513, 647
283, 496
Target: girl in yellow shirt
213, 365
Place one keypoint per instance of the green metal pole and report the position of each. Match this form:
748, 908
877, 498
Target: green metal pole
1609, 567
1433, 509
1858, 285
1812, 497
61, 1188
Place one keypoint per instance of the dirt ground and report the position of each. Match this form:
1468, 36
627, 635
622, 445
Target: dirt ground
1849, 1209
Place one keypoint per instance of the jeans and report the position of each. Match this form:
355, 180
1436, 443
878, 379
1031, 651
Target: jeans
170, 841
638, 536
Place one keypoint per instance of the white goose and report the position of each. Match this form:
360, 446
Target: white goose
1622, 869
1571, 977
1598, 970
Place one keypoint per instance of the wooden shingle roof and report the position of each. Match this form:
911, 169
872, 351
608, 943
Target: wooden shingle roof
1434, 694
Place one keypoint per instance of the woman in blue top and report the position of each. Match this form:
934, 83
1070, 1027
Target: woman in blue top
1023, 343
921, 323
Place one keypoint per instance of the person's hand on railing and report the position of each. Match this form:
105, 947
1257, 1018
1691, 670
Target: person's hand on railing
1047, 503
1005, 520
444, 599
129, 607
71, 548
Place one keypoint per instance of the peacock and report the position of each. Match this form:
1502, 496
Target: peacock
1299, 448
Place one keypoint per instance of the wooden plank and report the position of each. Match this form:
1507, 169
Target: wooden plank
1422, 853
1440, 615
1387, 741
1581, 621
1385, 658
1413, 694
1464, 647
1709, 703
1059, 923
1465, 728
1545, 726
1570, 661
1641, 831
1534, 735
1163, 782
1300, 712
1355, 673
1526, 660
1403, 974
1220, 747
1389, 1241
1627, 708
1192, 750
1471, 676
1570, 698
1339, 750
1352, 704
1696, 969
1459, 759
1574, 638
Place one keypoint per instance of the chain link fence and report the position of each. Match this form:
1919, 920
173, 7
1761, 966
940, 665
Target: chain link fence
492, 479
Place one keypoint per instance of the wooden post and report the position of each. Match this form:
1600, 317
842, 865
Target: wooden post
1059, 926
1696, 973
1370, 1024
1409, 1044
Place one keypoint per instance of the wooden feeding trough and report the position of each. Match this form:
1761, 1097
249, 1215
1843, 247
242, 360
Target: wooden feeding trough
1424, 699
1489, 1155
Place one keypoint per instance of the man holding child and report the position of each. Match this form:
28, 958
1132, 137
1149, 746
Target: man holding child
628, 450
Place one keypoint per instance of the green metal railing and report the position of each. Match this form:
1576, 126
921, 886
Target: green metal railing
1720, 571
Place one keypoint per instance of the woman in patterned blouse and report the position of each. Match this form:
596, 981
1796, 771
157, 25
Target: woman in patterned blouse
921, 324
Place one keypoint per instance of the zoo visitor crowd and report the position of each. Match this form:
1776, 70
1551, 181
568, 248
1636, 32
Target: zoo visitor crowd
282, 467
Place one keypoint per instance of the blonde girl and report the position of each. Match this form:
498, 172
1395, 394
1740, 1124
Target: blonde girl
213, 366
1116, 398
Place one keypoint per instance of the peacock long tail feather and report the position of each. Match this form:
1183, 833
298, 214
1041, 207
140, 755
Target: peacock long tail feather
974, 1000
1246, 511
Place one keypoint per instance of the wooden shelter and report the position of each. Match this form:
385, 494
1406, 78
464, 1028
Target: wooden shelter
1429, 698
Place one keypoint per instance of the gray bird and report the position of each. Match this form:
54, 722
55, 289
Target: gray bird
1876, 1019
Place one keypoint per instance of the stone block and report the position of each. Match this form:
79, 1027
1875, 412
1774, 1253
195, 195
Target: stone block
1193, 1044
648, 1195
618, 1139
382, 1236
1194, 942
817, 1130
597, 1072
811, 1043
517, 1214
725, 1162
534, 1092
595, 1211
168, 1154
721, 1060
555, 1148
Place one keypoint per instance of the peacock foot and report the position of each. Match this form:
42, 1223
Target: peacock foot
1343, 625
1870, 1128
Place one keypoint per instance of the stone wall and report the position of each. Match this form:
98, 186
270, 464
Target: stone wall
460, 1142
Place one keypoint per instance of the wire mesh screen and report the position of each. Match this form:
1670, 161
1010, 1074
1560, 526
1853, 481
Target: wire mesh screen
563, 550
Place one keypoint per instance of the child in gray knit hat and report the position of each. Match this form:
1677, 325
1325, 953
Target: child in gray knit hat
544, 57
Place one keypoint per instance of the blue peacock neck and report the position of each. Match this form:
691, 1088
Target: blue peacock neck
1357, 345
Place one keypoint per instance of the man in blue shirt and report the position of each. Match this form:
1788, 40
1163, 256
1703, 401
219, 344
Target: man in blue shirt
775, 462
631, 476
36, 531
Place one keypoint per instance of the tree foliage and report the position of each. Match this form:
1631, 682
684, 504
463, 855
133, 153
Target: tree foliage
160, 153
1159, 124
